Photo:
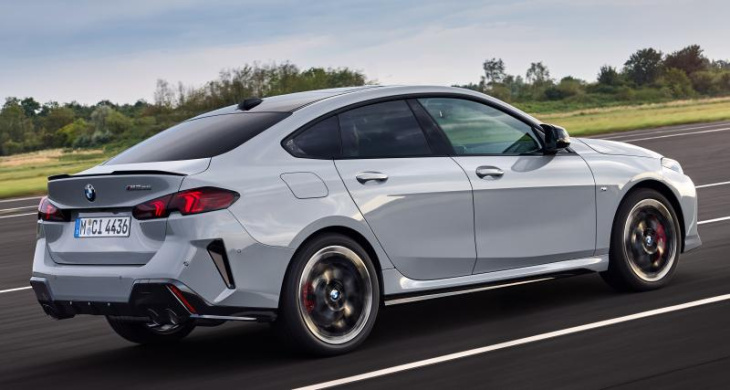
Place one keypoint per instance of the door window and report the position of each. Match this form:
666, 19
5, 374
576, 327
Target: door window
382, 130
474, 128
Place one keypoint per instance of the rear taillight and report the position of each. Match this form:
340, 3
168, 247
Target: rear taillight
47, 211
194, 201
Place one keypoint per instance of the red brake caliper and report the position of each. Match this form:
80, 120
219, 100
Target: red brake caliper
307, 297
661, 239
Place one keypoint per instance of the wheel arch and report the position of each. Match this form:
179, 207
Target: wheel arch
667, 192
348, 232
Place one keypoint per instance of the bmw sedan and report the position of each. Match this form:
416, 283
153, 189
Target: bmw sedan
313, 210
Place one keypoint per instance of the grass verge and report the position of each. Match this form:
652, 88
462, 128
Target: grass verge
604, 120
27, 174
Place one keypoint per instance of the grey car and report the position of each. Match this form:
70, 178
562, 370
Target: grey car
313, 210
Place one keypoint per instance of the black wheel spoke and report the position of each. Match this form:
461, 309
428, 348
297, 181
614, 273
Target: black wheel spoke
650, 239
340, 294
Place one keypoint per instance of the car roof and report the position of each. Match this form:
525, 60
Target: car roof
296, 101
291, 101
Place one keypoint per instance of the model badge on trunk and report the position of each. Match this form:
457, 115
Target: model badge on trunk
139, 187
90, 192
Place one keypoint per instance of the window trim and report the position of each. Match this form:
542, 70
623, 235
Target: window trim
415, 96
336, 113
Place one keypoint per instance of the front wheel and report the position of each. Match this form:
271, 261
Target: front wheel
645, 243
330, 297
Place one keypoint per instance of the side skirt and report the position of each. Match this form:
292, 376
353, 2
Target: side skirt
400, 289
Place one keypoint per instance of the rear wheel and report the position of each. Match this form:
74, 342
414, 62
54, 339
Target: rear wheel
331, 296
645, 243
150, 332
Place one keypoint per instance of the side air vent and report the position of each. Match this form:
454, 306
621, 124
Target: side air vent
217, 252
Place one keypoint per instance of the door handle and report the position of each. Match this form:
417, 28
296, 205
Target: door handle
494, 172
365, 177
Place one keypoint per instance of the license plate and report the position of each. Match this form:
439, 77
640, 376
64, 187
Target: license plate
102, 227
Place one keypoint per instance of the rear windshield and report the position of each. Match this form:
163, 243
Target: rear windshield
200, 138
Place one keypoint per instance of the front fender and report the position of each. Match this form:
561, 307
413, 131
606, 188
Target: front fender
617, 175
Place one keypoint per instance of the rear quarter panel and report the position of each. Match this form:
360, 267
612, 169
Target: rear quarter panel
277, 206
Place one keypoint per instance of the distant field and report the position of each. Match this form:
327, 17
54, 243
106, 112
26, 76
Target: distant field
26, 174
604, 120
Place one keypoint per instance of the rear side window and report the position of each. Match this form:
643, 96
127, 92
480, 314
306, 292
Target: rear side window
200, 138
382, 130
319, 141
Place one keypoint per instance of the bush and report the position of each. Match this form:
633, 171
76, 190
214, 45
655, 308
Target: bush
704, 82
678, 83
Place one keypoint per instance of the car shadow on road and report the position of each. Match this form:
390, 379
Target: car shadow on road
403, 333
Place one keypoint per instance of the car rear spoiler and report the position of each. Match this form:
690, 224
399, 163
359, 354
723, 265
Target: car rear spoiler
140, 172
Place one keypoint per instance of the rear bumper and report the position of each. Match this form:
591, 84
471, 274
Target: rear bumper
161, 301
242, 273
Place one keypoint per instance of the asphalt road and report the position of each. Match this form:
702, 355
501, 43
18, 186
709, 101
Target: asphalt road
682, 349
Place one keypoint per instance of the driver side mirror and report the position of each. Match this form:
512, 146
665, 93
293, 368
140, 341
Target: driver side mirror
556, 138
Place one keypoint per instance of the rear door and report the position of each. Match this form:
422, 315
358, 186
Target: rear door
419, 204
530, 208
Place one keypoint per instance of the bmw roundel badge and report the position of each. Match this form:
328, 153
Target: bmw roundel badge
90, 192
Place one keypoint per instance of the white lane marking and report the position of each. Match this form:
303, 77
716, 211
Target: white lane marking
676, 135
17, 215
660, 131
17, 208
19, 199
714, 220
722, 183
15, 289
514, 343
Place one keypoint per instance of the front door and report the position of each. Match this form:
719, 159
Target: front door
530, 208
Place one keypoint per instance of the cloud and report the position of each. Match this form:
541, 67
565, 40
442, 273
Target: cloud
89, 50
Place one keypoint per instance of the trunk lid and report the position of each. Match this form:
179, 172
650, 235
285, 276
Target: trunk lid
112, 191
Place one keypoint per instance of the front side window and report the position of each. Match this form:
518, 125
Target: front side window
474, 128
382, 130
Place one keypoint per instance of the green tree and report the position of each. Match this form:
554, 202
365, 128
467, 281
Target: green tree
30, 106
538, 73
567, 87
689, 60
608, 75
15, 126
678, 83
704, 82
53, 118
117, 123
74, 133
644, 67
493, 71
538, 77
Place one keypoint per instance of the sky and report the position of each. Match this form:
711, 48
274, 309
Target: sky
89, 50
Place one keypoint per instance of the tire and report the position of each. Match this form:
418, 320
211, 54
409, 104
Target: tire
150, 333
330, 297
645, 243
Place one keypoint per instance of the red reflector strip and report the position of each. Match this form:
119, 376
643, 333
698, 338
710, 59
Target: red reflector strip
180, 297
